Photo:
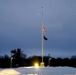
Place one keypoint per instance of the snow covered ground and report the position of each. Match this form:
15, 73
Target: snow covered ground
39, 71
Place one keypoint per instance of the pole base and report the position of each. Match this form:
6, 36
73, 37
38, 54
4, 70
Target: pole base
42, 64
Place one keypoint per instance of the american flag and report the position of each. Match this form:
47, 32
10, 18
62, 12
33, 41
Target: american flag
44, 30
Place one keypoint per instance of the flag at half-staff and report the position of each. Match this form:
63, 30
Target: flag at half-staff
44, 31
45, 38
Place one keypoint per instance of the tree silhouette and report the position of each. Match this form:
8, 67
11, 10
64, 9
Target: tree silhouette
18, 57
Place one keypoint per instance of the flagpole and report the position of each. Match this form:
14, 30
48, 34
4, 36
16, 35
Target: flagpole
42, 43
42, 63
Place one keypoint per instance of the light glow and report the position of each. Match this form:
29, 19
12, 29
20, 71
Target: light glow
36, 65
9, 72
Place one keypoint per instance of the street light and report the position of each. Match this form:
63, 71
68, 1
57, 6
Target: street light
11, 62
49, 61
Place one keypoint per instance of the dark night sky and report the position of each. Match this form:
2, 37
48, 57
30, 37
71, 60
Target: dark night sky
20, 27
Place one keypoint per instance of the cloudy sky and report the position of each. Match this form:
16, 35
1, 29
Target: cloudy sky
20, 27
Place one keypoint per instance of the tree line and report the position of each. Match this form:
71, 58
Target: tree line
19, 59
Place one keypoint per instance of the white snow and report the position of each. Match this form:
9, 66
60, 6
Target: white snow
39, 71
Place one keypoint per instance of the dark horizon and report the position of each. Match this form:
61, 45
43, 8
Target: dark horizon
30, 55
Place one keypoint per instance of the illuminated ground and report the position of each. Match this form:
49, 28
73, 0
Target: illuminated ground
39, 71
